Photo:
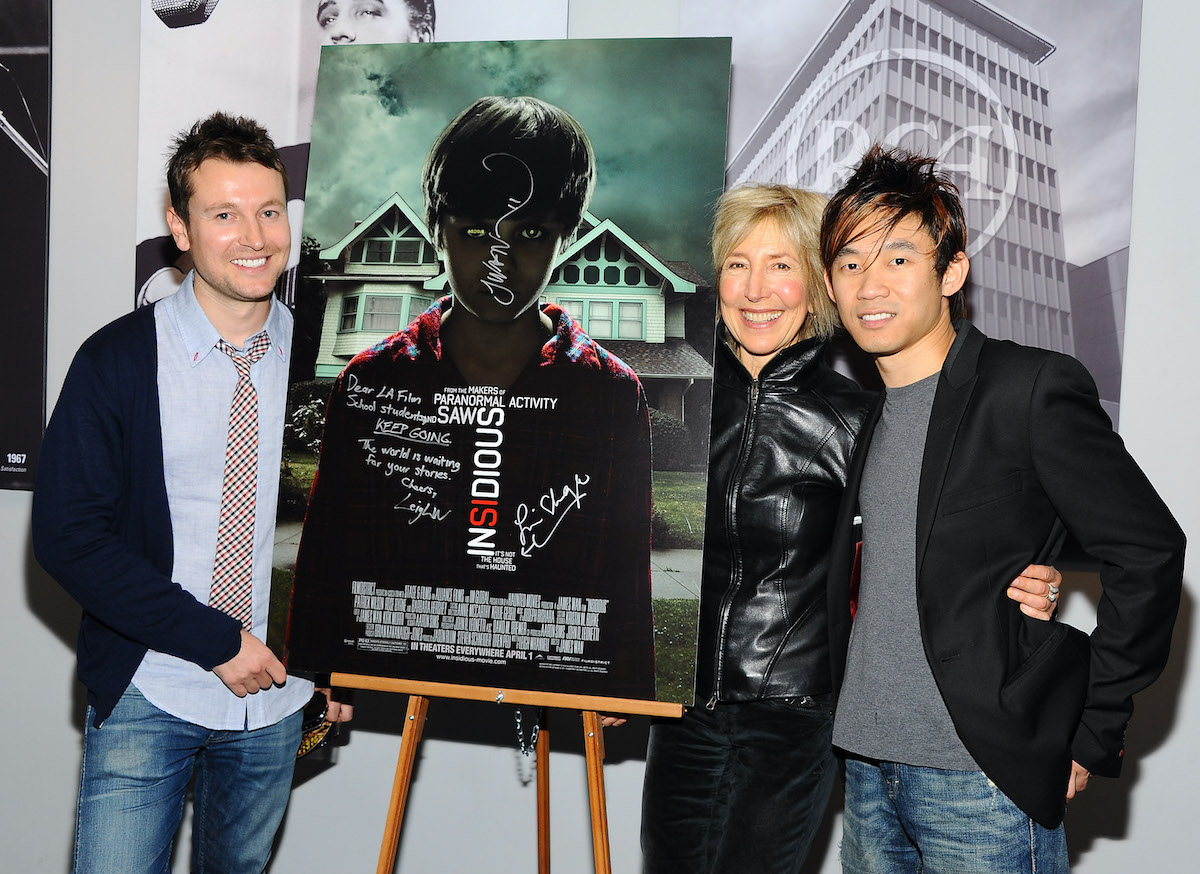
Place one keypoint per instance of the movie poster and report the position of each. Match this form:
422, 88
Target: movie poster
513, 372
24, 232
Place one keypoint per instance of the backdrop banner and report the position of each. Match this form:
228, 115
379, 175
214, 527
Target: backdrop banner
1029, 107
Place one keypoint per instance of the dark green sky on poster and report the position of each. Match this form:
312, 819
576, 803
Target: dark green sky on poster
655, 110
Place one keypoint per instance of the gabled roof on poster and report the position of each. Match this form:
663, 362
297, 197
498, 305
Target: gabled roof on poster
674, 358
356, 233
643, 252
688, 272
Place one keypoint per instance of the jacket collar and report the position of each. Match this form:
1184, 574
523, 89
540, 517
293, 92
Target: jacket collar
963, 356
802, 359
955, 387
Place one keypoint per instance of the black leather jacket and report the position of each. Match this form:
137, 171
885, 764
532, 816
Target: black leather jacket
777, 467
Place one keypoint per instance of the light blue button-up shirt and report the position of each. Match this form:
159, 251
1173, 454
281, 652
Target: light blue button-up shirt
195, 388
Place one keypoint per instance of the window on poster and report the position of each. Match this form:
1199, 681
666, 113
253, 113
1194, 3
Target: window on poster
349, 319
382, 312
596, 317
600, 319
395, 241
629, 325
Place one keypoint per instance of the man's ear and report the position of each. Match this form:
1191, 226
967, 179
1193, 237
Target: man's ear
425, 32
178, 228
829, 288
956, 274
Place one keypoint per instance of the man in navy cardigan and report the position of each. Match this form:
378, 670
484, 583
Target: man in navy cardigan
126, 515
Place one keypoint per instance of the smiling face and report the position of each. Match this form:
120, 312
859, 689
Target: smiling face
763, 298
368, 21
891, 300
498, 269
237, 231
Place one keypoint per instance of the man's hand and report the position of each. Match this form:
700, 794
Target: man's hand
1078, 780
1036, 590
253, 668
612, 721
336, 711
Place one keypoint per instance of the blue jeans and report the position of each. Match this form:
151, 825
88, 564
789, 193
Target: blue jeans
134, 780
741, 788
901, 819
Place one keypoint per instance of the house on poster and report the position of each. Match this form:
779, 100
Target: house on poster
385, 272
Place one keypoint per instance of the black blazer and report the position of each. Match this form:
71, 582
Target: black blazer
1018, 452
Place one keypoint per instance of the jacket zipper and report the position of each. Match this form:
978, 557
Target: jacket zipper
731, 514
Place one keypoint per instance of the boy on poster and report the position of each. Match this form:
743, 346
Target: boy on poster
481, 509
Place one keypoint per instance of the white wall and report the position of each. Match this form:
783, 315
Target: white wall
1145, 821
467, 811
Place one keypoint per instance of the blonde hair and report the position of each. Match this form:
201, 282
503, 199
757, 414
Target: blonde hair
797, 214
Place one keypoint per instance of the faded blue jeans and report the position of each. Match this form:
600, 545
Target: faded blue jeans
739, 789
134, 780
901, 819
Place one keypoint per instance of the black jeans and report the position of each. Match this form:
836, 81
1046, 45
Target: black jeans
740, 788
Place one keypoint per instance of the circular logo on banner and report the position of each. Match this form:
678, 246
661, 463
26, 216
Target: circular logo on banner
982, 157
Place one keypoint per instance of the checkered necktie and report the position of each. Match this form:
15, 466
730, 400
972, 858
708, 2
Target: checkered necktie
231, 585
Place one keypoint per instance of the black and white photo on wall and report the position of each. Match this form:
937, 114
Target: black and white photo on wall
24, 233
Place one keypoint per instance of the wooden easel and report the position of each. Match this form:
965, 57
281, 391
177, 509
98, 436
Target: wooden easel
593, 741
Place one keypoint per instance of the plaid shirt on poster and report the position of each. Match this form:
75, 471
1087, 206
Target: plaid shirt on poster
575, 411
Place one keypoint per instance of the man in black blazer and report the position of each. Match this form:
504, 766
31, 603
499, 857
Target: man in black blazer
966, 724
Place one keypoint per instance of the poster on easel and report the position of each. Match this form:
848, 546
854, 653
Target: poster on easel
497, 438
24, 232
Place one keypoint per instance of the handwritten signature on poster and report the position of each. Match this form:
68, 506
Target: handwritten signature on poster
496, 278
536, 525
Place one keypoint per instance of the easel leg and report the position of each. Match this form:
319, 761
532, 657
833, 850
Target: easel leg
543, 799
593, 744
414, 722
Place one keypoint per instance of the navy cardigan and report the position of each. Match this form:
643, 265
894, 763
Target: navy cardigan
101, 522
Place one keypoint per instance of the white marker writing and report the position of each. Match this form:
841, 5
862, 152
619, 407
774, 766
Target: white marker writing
496, 278
555, 505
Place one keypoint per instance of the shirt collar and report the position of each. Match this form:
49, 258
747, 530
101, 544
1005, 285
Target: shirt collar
197, 333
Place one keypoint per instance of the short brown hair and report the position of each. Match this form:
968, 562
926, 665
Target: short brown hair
889, 185
797, 214
227, 137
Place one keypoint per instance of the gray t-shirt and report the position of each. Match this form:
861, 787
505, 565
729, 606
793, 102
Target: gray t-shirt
890, 707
